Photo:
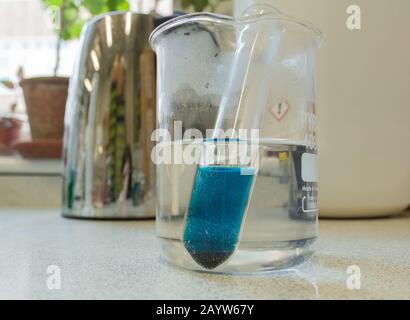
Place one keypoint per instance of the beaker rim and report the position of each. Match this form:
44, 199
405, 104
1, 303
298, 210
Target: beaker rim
228, 20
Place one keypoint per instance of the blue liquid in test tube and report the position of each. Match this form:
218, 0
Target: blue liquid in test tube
218, 202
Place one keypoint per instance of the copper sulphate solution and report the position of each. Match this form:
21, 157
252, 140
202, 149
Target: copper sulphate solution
278, 227
215, 213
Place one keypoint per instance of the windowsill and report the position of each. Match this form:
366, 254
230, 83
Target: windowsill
30, 183
10, 165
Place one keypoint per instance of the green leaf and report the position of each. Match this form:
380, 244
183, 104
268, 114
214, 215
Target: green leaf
66, 34
72, 22
186, 3
13, 107
8, 84
48, 3
115, 5
123, 6
70, 15
94, 6
74, 30
20, 73
200, 5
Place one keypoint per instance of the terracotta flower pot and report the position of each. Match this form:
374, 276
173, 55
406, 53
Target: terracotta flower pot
39, 149
45, 102
9, 130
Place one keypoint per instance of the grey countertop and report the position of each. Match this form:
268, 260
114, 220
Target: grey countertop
113, 259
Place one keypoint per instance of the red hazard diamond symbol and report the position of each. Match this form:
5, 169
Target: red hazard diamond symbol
279, 110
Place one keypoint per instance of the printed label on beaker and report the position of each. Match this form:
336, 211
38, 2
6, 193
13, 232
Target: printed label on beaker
279, 110
309, 167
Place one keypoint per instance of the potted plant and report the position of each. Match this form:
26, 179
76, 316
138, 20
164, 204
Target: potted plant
197, 5
45, 97
10, 125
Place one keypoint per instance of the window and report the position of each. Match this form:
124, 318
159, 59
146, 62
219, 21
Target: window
27, 41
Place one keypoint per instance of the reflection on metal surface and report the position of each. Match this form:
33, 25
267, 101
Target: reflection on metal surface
109, 119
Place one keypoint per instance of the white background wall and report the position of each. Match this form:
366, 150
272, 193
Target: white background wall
363, 103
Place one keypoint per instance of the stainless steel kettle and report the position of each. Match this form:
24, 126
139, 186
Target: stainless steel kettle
110, 115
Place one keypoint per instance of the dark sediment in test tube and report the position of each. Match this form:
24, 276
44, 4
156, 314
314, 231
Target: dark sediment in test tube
216, 210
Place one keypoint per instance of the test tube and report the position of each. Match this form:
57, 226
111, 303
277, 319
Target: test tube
222, 189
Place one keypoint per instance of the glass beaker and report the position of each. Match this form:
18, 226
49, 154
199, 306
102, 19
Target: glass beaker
216, 73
